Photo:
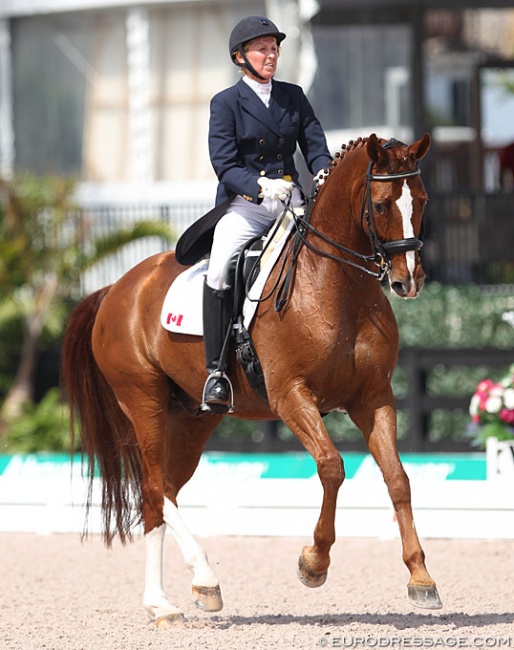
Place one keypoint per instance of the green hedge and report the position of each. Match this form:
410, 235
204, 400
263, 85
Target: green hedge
456, 317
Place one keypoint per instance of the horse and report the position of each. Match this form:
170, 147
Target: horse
135, 388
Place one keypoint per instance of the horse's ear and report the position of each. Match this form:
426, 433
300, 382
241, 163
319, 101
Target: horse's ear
418, 150
374, 149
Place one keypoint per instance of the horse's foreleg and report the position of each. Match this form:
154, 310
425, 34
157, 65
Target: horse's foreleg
381, 441
314, 560
304, 420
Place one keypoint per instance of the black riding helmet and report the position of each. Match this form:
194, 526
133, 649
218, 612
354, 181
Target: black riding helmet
246, 30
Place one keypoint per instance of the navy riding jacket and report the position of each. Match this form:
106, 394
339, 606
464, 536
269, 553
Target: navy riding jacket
247, 139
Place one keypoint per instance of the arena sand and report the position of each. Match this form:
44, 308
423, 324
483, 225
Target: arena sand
58, 593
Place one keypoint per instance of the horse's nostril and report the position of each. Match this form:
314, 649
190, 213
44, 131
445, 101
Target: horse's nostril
399, 288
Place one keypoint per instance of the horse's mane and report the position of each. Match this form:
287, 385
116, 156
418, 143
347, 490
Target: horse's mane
345, 149
359, 143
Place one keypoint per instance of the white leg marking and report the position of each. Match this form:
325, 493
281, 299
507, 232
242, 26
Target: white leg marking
404, 204
194, 556
155, 601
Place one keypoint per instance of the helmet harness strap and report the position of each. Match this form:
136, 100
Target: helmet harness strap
247, 64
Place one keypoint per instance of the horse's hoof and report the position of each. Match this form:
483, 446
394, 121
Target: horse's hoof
171, 620
208, 599
308, 577
424, 596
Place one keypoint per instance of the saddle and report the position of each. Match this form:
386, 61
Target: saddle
244, 278
243, 273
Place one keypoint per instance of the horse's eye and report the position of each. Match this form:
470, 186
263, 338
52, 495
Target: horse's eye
379, 208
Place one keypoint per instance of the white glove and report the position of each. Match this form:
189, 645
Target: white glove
274, 188
321, 176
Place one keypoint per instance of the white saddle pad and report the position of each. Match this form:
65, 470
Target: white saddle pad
182, 307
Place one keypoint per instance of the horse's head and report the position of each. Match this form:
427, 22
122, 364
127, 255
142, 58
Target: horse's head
393, 214
368, 214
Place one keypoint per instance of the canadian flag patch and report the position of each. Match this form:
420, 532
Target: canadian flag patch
174, 318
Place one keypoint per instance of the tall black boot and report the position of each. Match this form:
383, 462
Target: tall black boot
217, 392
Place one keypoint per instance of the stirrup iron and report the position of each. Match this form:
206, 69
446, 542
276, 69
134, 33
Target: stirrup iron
219, 409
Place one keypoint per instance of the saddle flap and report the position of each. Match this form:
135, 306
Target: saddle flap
182, 307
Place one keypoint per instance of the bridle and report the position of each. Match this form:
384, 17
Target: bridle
381, 251
385, 249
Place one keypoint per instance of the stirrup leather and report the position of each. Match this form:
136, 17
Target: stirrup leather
218, 408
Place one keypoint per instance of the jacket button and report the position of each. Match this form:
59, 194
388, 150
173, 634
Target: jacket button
262, 141
280, 172
281, 141
279, 156
261, 157
262, 172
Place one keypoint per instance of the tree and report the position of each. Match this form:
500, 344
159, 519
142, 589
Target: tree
45, 246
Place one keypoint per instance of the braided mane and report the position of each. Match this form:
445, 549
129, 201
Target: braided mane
359, 143
346, 148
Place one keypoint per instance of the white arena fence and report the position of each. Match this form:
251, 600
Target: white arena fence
455, 495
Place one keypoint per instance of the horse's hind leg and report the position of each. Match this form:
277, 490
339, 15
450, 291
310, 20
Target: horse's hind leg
155, 600
422, 590
206, 591
187, 438
146, 405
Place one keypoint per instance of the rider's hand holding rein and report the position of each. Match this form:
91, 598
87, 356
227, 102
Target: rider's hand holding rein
275, 188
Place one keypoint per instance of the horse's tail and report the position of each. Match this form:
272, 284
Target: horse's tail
107, 438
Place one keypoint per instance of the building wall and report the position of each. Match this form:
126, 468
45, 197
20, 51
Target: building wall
120, 95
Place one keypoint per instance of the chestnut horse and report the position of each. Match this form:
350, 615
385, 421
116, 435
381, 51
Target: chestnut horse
136, 388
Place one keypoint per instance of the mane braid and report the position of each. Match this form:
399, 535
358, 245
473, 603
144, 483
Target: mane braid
346, 148
359, 143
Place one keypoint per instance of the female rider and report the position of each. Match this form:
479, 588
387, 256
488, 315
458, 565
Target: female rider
254, 129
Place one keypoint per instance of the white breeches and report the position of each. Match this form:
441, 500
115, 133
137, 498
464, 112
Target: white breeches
243, 221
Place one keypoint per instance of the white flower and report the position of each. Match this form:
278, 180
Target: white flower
474, 404
493, 404
508, 398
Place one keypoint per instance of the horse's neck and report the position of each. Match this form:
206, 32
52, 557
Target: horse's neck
335, 285
337, 210
337, 215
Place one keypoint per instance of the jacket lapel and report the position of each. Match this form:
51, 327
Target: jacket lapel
255, 107
278, 104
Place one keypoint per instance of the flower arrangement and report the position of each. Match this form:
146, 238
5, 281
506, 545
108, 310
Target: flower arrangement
492, 410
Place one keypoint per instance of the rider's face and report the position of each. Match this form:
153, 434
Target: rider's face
262, 53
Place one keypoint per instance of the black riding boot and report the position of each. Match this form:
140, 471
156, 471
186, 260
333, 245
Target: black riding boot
217, 392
